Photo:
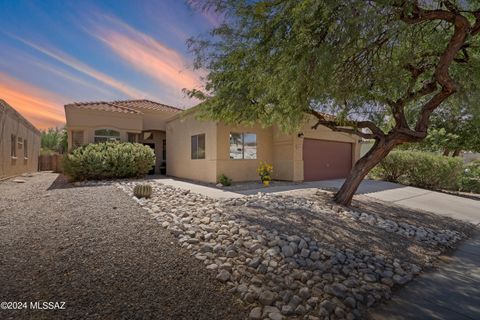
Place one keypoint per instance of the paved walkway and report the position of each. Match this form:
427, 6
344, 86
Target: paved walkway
211, 192
450, 293
440, 203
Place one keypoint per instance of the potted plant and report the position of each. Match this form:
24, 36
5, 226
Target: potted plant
265, 172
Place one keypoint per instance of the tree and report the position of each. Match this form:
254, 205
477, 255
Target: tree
380, 67
54, 139
454, 127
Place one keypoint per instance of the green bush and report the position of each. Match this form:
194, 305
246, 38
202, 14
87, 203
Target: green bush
421, 169
470, 178
108, 160
393, 167
224, 180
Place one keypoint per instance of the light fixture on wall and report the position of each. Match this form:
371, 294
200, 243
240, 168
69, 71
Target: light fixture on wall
300, 135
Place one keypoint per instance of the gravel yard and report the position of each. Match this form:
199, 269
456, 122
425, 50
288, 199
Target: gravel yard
181, 255
97, 250
298, 255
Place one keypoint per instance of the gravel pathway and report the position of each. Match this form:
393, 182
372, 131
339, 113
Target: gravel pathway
98, 251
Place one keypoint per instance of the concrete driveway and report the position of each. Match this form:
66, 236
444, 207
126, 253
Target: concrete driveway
436, 202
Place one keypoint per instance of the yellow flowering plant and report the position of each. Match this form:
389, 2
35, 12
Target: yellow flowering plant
265, 170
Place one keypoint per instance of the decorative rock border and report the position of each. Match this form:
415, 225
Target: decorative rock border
446, 238
281, 275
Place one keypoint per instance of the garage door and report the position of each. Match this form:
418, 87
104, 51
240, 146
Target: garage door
324, 159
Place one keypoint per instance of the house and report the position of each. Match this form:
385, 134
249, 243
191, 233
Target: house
19, 143
202, 150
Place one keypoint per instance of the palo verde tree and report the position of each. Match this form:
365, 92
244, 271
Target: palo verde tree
381, 67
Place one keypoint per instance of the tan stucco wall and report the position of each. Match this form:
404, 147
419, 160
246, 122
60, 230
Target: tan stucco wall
11, 122
88, 121
284, 151
179, 163
243, 169
155, 120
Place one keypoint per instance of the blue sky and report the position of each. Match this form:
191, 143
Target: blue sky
58, 52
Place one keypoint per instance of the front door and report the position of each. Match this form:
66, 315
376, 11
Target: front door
151, 145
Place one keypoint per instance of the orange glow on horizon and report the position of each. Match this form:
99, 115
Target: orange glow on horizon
42, 108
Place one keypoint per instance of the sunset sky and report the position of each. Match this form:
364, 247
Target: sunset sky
58, 52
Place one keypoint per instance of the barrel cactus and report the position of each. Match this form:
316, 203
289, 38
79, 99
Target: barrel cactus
142, 191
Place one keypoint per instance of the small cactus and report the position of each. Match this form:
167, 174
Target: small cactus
142, 191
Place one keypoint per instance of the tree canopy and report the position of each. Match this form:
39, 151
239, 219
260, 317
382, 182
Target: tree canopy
271, 60
381, 67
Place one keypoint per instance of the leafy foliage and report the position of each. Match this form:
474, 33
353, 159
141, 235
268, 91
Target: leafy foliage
421, 169
453, 128
224, 180
470, 178
53, 140
380, 67
109, 160
274, 61
265, 171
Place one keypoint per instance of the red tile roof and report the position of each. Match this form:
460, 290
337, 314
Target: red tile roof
103, 106
147, 105
125, 106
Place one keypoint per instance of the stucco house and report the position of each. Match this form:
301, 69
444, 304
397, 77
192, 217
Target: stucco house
202, 150
19, 143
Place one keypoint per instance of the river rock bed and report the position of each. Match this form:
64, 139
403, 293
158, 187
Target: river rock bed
446, 238
285, 275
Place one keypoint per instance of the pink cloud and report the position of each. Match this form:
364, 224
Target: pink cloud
85, 69
43, 108
148, 55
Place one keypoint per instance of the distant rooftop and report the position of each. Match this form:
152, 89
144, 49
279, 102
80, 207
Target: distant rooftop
125, 106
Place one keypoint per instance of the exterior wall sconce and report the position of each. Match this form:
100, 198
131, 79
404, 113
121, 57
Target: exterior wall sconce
300, 135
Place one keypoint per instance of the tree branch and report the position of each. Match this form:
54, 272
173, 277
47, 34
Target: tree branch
350, 126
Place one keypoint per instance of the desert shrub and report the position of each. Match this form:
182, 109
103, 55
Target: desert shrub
393, 167
470, 178
224, 180
421, 169
108, 160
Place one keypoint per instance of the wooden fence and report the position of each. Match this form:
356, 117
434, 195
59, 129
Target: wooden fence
49, 162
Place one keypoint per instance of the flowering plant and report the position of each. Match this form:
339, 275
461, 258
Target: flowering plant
265, 170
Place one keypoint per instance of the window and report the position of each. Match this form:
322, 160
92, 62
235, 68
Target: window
243, 145
104, 135
13, 146
164, 149
25, 149
20, 143
77, 139
147, 135
132, 137
198, 146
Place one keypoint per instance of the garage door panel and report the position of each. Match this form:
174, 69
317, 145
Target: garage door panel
324, 159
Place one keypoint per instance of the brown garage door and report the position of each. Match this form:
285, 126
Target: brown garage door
326, 159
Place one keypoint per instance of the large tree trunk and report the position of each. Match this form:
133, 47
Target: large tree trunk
446, 152
361, 168
456, 153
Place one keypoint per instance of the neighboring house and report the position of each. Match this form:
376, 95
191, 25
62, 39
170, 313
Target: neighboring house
202, 150
19, 143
